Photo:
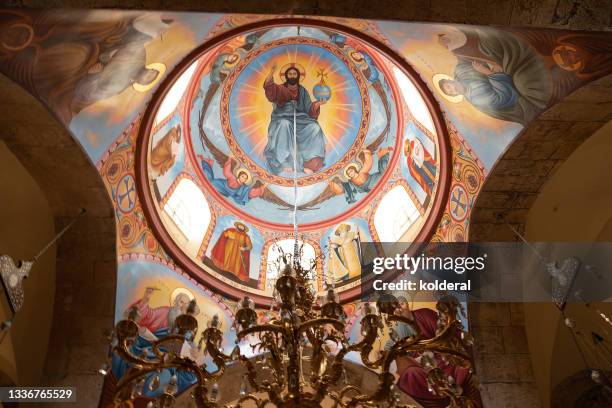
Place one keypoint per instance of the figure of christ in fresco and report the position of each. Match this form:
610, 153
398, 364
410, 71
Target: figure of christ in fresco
310, 138
236, 186
345, 253
421, 165
163, 154
412, 377
155, 323
500, 76
232, 252
360, 180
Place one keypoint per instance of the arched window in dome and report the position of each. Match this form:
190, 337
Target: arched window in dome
414, 100
395, 215
174, 95
273, 258
189, 210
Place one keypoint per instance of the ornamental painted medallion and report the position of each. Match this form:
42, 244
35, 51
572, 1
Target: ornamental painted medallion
273, 104
332, 110
253, 112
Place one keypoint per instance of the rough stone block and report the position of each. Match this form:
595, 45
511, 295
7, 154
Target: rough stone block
105, 274
489, 314
496, 368
517, 314
515, 340
523, 365
487, 340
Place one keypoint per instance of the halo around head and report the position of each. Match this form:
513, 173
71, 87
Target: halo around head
295, 65
558, 58
236, 57
343, 228
245, 171
156, 66
179, 291
239, 224
436, 83
351, 166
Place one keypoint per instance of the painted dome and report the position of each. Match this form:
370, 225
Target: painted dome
228, 131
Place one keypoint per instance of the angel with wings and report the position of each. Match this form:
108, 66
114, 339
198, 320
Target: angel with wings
359, 179
237, 182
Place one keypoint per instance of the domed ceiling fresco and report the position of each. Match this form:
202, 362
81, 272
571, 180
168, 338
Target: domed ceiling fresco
221, 155
189, 119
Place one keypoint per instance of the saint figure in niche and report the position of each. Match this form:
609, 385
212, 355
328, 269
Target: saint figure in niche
163, 154
310, 137
232, 252
421, 165
345, 253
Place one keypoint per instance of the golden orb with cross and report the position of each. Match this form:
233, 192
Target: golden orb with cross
321, 91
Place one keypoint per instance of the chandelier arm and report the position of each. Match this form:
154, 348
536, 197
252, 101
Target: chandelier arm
245, 398
334, 371
338, 325
405, 320
252, 374
270, 342
267, 330
436, 379
261, 328
161, 342
200, 394
219, 358
141, 371
122, 349
385, 382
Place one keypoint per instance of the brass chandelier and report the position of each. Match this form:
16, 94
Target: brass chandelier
301, 331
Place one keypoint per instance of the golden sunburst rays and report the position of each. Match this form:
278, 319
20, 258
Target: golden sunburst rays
344, 107
260, 68
250, 88
256, 133
251, 111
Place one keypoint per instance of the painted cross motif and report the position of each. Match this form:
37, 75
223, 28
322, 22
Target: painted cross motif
458, 203
126, 194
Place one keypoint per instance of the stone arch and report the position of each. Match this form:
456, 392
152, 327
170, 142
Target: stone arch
506, 365
86, 259
579, 390
519, 175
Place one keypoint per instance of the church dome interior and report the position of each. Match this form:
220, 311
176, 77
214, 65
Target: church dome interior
199, 201
218, 156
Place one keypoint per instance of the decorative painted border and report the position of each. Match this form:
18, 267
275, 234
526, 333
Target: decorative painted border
439, 202
319, 176
351, 211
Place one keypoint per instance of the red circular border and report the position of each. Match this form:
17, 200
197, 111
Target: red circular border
324, 175
148, 206
349, 212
